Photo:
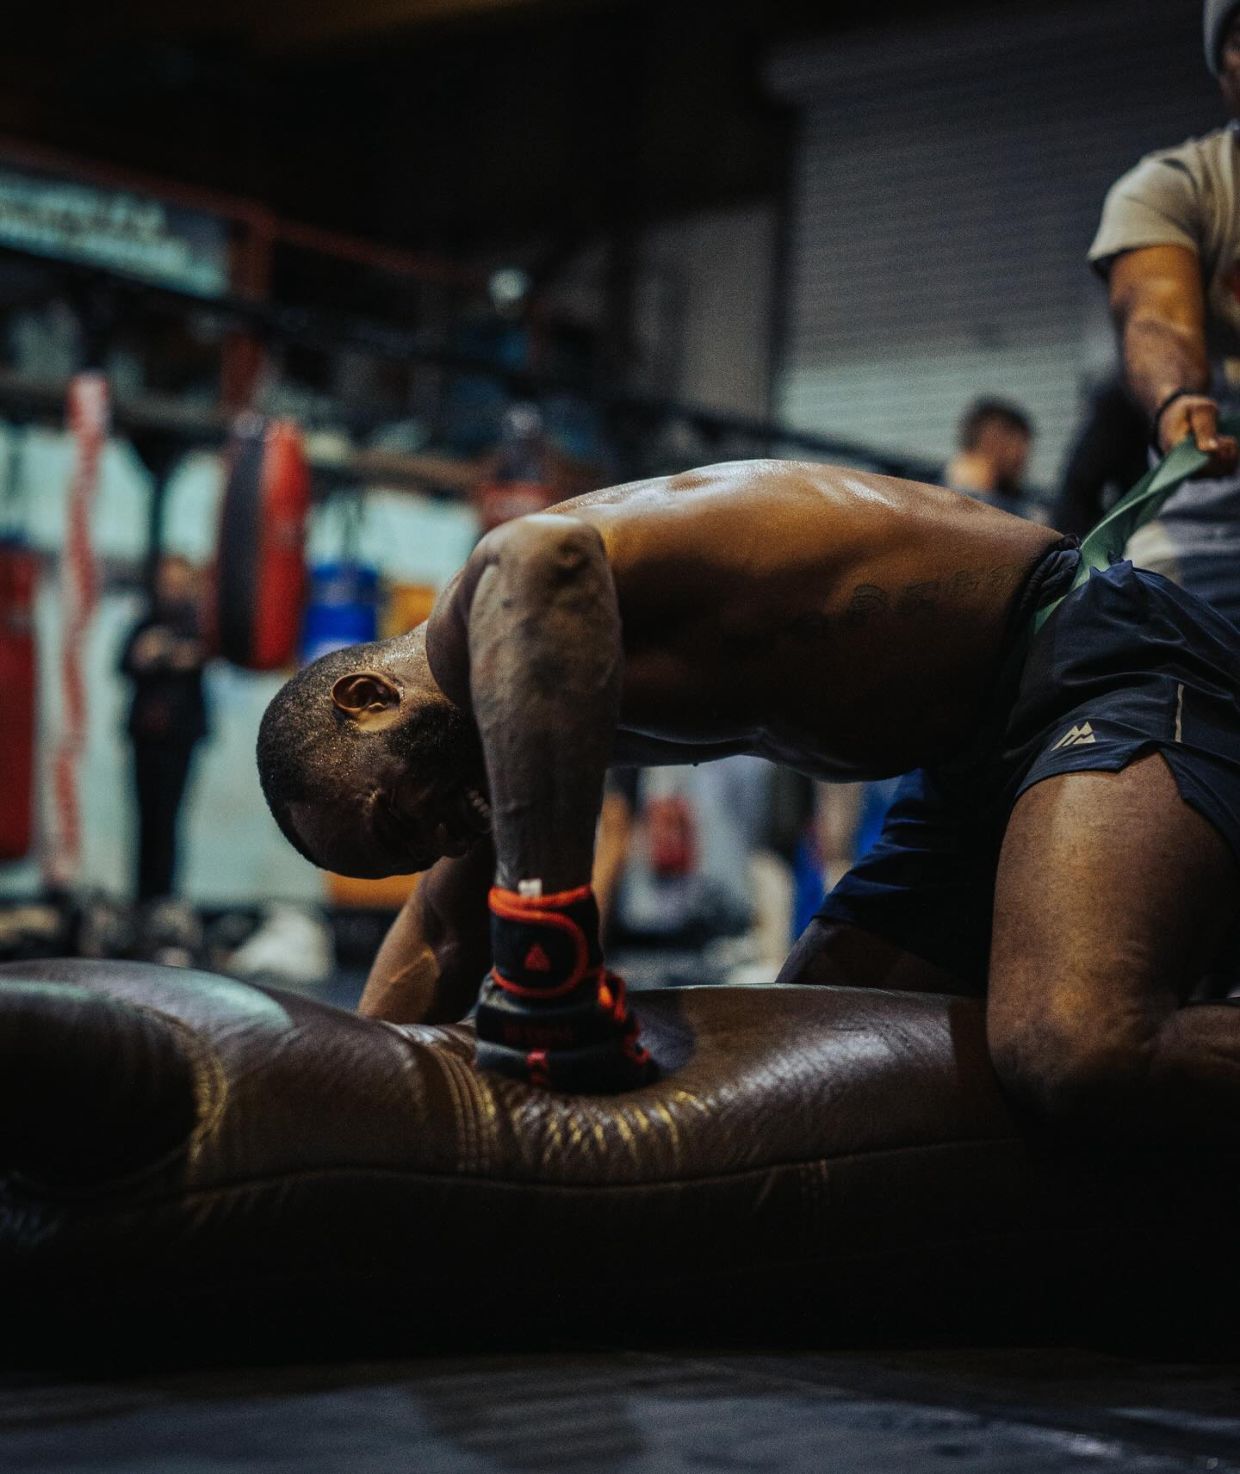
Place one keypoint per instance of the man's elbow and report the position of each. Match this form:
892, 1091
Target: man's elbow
545, 542
536, 564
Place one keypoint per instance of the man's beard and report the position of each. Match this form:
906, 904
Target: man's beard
442, 744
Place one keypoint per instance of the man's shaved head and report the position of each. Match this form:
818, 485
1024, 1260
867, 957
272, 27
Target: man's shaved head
353, 749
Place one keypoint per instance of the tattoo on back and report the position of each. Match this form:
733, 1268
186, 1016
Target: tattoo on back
867, 602
870, 601
919, 598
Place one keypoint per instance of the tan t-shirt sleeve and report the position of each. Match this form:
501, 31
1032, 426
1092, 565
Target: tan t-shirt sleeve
1156, 204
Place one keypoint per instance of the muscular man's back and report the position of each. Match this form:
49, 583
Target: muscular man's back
843, 622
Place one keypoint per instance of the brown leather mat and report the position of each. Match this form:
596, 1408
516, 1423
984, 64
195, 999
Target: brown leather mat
195, 1160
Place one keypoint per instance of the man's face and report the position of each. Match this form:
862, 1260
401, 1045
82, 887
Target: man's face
394, 829
1006, 447
406, 806
1229, 66
176, 582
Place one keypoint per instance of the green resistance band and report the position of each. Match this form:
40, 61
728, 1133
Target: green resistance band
1134, 509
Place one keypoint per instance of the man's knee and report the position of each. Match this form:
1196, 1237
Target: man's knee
1086, 1075
810, 962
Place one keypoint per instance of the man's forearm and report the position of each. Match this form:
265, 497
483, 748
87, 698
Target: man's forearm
544, 653
1158, 300
540, 618
1161, 357
404, 982
408, 981
1168, 371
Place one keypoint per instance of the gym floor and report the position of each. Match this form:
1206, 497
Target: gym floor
1028, 1411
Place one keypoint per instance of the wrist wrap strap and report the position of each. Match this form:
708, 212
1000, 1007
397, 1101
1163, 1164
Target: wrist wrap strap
1183, 392
549, 1013
597, 1015
544, 947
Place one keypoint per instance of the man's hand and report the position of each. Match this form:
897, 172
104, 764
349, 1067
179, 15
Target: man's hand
1197, 415
151, 649
550, 1014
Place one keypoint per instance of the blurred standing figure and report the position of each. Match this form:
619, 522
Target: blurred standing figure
1169, 247
164, 658
1109, 453
993, 444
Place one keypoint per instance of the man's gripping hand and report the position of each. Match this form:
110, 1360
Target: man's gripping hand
549, 1012
1197, 415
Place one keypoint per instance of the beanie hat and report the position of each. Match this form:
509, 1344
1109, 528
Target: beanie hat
1217, 18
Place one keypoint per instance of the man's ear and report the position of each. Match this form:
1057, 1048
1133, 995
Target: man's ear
368, 696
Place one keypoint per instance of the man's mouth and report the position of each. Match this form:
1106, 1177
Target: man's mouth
401, 834
467, 818
476, 811
464, 818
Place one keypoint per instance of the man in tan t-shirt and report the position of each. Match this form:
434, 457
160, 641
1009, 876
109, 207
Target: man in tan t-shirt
1169, 247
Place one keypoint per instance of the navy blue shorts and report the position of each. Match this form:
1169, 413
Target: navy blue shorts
1128, 664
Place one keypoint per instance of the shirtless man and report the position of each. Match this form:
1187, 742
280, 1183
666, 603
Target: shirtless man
1081, 785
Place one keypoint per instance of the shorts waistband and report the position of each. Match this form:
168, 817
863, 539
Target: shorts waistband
1049, 579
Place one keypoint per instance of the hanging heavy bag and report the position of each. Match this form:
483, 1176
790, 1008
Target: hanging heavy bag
18, 573
260, 579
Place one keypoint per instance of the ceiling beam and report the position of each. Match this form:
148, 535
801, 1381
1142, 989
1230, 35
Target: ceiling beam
276, 26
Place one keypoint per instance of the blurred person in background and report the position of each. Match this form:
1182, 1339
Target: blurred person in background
164, 658
1168, 247
993, 442
1109, 454
685, 861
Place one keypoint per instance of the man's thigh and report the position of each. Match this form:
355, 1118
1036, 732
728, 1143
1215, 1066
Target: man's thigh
1113, 896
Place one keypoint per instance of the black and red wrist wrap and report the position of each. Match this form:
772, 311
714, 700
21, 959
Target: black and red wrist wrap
545, 946
549, 1012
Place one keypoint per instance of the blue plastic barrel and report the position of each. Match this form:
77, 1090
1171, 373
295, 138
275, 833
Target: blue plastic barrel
343, 608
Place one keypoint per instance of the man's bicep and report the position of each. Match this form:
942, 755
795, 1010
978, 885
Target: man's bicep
447, 637
448, 629
1158, 281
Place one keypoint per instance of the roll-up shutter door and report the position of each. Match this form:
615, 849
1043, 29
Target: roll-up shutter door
947, 185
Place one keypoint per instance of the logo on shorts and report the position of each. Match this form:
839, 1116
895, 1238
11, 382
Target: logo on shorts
1076, 737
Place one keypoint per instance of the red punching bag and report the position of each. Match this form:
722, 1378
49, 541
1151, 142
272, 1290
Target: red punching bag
260, 576
18, 574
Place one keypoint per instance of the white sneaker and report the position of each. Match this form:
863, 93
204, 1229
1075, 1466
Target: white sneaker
290, 946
